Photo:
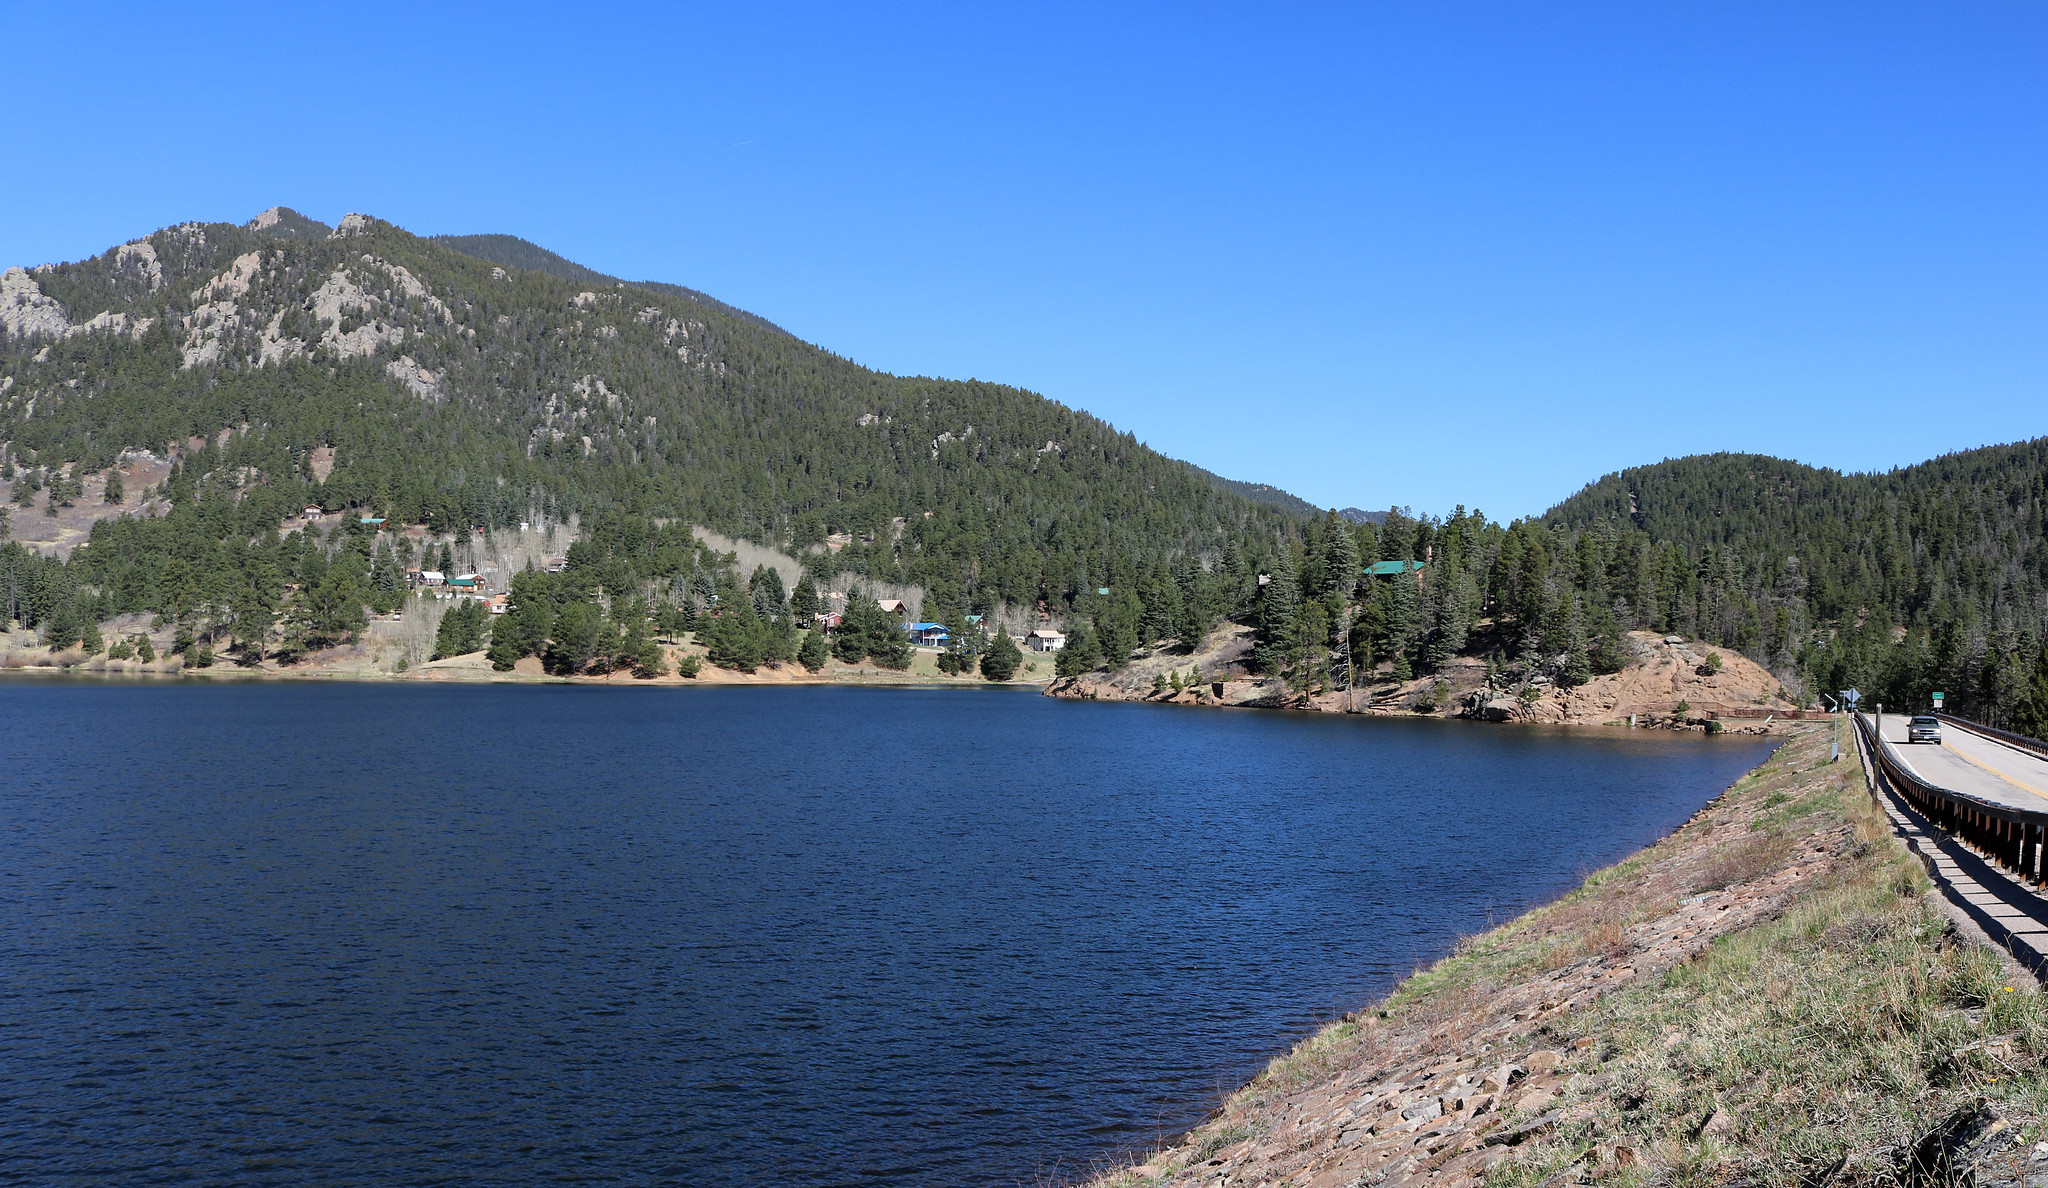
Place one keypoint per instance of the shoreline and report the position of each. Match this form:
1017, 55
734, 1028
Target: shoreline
1658, 1023
465, 676
1671, 684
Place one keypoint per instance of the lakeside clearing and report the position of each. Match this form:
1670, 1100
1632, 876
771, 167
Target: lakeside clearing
1771, 995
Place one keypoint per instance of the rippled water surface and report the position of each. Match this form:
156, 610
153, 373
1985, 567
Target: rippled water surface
351, 934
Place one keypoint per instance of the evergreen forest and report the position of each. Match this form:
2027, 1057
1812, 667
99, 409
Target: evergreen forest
470, 384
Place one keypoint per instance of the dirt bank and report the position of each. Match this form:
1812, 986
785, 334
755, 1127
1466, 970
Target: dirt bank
1769, 996
1672, 684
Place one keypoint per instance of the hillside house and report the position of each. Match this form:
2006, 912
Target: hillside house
929, 635
430, 577
312, 512
894, 606
1045, 640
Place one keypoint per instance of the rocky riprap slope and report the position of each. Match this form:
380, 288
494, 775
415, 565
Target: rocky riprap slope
1770, 996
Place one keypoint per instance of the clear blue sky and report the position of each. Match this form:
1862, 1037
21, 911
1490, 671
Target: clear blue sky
1421, 254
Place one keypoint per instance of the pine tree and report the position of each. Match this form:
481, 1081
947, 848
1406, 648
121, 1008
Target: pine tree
764, 590
813, 654
116, 489
1162, 613
1080, 655
1578, 666
1397, 618
1278, 602
461, 631
1340, 559
1000, 664
803, 602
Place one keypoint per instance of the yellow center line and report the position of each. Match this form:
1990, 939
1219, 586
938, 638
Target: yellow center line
1994, 771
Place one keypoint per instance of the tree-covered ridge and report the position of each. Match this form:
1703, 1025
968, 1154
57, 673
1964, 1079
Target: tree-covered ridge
366, 368
1917, 543
1933, 576
456, 392
514, 252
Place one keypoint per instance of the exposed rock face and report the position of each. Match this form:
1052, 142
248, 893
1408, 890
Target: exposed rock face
1665, 675
113, 323
339, 296
234, 282
423, 383
26, 311
269, 218
139, 260
339, 300
206, 327
351, 224
409, 286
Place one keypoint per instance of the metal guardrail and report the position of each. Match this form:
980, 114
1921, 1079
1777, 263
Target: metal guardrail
2024, 743
2013, 838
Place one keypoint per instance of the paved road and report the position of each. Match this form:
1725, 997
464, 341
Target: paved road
1973, 764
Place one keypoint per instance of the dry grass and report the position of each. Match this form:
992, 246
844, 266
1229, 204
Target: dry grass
1830, 1034
1788, 1006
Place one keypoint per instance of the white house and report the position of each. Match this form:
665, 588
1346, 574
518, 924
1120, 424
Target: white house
1044, 640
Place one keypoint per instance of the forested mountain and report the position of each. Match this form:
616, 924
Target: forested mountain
471, 383
1932, 576
1265, 493
458, 393
514, 252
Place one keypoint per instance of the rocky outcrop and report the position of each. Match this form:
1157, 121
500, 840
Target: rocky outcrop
232, 283
421, 382
1674, 684
113, 323
1245, 692
26, 311
138, 262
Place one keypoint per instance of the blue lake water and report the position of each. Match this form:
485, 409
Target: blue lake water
256, 934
